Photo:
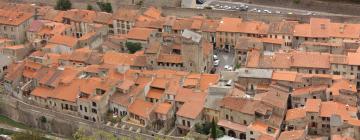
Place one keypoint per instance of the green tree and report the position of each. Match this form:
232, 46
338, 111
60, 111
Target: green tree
63, 5
105, 7
296, 1
213, 129
89, 7
133, 47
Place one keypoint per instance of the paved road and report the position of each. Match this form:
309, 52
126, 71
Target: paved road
220, 5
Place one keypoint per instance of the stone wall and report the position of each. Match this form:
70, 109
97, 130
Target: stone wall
59, 123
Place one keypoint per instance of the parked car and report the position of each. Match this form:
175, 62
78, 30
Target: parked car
215, 57
216, 63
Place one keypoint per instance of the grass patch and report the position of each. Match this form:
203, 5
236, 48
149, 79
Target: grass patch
8, 121
6, 132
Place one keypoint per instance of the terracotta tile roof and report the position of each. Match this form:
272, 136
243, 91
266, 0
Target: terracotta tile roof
232, 125
244, 105
307, 60
275, 99
115, 58
324, 28
237, 25
210, 25
191, 109
262, 128
159, 83
285, 76
64, 40
14, 71
353, 59
14, 18
330, 108
80, 15
142, 34
229, 24
170, 58
42, 92
152, 12
124, 99
154, 47
208, 79
126, 84
190, 82
187, 95
293, 135
295, 114
163, 108
182, 24
141, 108
342, 85
126, 14
253, 59
143, 80
309, 90
59, 17
155, 93
145, 22
341, 137
317, 28
312, 105
282, 27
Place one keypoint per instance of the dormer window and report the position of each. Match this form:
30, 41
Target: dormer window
100, 91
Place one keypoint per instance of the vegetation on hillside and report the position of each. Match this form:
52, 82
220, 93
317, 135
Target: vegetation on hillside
105, 7
63, 5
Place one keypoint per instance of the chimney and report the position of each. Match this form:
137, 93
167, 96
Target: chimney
347, 107
131, 99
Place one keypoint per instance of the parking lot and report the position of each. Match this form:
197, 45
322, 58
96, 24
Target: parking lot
238, 6
225, 58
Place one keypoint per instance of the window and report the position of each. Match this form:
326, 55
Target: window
85, 109
312, 117
94, 104
227, 116
94, 110
338, 129
251, 132
80, 107
245, 122
188, 123
183, 122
